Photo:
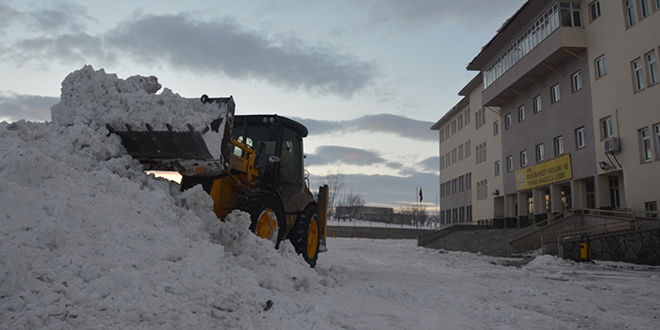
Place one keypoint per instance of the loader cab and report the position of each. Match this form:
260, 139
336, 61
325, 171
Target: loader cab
281, 137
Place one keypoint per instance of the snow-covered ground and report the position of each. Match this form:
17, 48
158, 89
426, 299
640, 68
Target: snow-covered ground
89, 241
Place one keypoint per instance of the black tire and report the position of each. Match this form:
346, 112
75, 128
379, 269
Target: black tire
306, 235
258, 203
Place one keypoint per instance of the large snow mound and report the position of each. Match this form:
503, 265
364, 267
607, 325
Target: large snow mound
89, 241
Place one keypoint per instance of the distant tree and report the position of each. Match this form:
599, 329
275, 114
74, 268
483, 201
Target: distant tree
417, 213
353, 202
335, 182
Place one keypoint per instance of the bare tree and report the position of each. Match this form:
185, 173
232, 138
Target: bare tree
353, 202
335, 182
417, 213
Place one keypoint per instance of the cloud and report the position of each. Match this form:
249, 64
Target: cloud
15, 107
430, 12
383, 123
217, 47
326, 155
54, 17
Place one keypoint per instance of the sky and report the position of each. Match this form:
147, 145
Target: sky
368, 78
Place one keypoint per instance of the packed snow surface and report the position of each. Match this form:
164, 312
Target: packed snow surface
89, 241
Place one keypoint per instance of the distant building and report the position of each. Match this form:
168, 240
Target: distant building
573, 89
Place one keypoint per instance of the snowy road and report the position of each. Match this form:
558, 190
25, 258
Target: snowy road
392, 284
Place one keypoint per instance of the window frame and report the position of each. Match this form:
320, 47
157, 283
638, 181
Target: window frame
496, 128
507, 121
644, 9
521, 113
559, 145
576, 81
540, 153
594, 10
652, 67
631, 18
523, 159
509, 163
555, 94
537, 104
497, 168
639, 79
601, 66
580, 138
606, 130
646, 149
656, 130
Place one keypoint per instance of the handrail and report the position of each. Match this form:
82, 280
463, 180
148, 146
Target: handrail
625, 214
602, 229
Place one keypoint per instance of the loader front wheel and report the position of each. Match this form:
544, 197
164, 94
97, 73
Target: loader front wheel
306, 235
266, 214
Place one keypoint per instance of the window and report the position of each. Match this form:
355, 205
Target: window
606, 128
453, 126
615, 198
580, 138
594, 9
507, 121
497, 168
647, 152
481, 153
540, 153
453, 156
468, 145
644, 8
571, 15
657, 4
638, 75
537, 104
496, 127
559, 145
467, 117
651, 209
460, 122
509, 164
652, 63
521, 113
601, 67
460, 152
480, 118
656, 128
523, 158
576, 78
630, 13
554, 94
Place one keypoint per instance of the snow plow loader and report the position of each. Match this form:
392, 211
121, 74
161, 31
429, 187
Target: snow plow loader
252, 163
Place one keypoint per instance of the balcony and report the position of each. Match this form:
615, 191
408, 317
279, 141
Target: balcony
563, 44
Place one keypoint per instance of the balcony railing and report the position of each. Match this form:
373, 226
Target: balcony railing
559, 14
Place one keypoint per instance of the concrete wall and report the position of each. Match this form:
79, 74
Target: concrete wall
469, 238
638, 248
374, 232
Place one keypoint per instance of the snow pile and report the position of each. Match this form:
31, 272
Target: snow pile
88, 240
97, 97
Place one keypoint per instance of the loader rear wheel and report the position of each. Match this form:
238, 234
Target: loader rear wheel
306, 235
266, 212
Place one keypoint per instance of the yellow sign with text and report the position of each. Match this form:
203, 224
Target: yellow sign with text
552, 171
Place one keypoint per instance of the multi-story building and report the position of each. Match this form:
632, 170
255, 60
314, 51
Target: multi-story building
575, 84
470, 167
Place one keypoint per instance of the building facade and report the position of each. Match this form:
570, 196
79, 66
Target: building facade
575, 87
469, 158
